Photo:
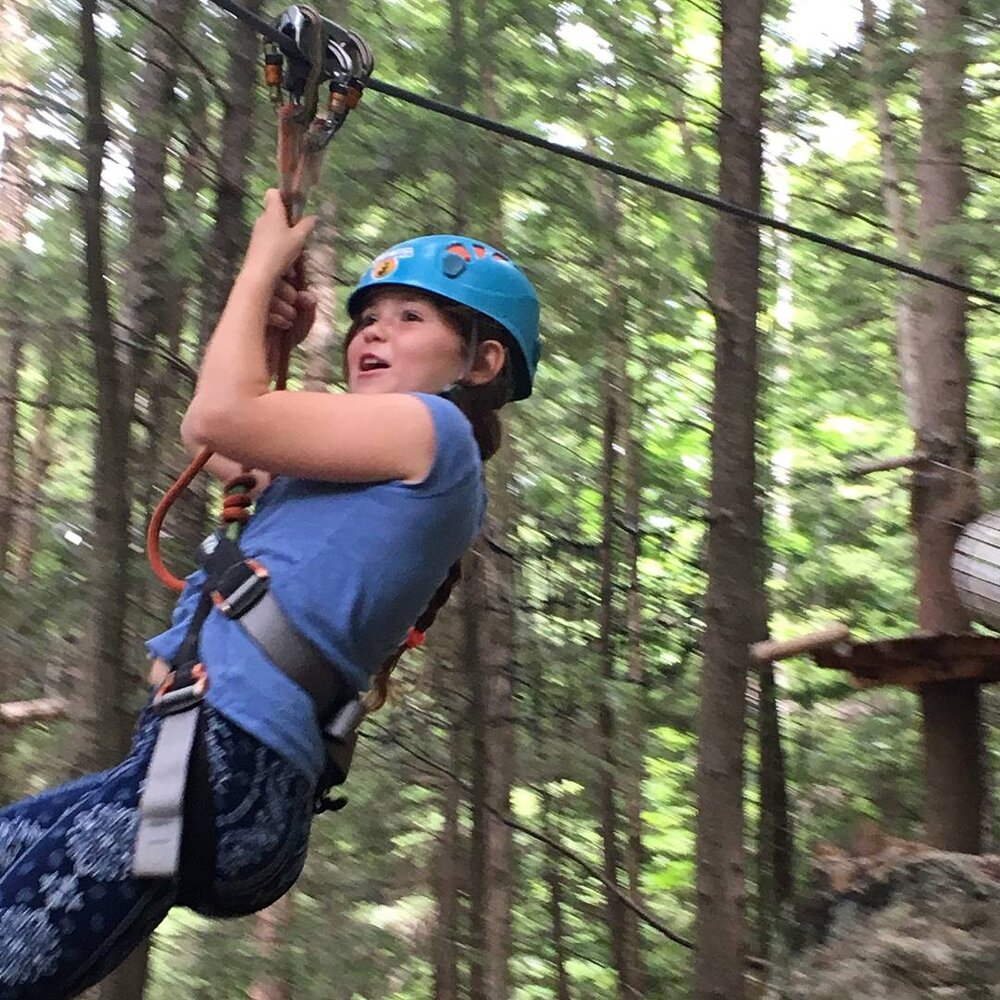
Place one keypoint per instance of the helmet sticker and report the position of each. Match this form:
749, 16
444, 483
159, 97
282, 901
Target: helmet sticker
384, 267
400, 253
385, 263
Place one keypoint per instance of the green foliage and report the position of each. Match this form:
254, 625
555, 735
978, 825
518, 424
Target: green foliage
637, 82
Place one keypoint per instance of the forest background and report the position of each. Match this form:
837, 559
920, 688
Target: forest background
543, 748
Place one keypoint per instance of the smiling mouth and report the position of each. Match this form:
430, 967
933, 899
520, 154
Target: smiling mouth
371, 363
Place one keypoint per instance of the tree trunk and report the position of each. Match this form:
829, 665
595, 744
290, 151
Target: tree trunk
112, 722
491, 584
148, 279
774, 837
606, 722
169, 386
934, 376
895, 204
635, 770
446, 861
14, 179
553, 879
456, 91
14, 188
27, 524
228, 239
735, 533
111, 502
489, 625
944, 493
11, 355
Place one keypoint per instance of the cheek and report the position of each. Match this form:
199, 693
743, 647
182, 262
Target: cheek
351, 351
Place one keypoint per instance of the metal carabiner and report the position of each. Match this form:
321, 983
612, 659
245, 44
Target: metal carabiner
330, 54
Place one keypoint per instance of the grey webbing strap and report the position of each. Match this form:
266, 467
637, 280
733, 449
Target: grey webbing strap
294, 655
161, 807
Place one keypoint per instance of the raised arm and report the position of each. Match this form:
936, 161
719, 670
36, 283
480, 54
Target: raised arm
314, 435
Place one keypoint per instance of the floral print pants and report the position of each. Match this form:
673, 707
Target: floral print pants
70, 910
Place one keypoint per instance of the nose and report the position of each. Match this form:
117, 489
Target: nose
373, 332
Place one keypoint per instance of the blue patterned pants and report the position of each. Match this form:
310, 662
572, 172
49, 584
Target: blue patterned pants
70, 911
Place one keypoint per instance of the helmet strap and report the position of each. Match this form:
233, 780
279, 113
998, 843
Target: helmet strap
453, 388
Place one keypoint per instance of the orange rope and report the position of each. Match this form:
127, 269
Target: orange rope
236, 501
156, 521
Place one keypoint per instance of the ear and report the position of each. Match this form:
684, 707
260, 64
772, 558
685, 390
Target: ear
491, 356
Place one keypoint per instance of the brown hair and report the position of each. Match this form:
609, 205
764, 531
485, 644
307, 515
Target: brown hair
480, 404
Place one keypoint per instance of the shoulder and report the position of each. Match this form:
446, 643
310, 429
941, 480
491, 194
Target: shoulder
455, 456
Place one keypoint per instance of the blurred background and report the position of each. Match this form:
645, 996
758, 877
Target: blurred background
545, 738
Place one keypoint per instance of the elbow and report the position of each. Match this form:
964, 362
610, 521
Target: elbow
202, 426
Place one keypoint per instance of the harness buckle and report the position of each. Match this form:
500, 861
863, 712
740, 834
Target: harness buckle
170, 700
241, 587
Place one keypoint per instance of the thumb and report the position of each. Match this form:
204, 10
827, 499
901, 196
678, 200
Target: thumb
272, 200
304, 227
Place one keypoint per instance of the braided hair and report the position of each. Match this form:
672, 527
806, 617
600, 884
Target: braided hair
480, 404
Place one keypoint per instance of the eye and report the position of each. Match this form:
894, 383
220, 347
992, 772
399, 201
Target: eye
411, 316
366, 319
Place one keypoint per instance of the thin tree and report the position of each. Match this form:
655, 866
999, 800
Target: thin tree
733, 618
14, 199
109, 580
490, 626
608, 780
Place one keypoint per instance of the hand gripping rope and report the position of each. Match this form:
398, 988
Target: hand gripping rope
236, 586
329, 54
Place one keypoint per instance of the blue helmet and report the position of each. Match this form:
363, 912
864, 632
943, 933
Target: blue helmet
473, 274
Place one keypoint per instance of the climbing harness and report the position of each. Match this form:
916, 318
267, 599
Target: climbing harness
238, 588
176, 783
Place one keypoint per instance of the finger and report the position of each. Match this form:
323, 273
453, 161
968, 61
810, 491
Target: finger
304, 227
282, 309
287, 292
276, 322
306, 300
284, 304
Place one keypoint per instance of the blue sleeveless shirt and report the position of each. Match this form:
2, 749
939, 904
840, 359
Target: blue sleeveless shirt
352, 565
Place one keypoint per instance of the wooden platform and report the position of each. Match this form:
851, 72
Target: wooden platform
916, 659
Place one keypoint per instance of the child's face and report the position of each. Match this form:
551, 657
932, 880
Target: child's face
403, 343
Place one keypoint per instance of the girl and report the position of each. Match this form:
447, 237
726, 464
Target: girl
377, 493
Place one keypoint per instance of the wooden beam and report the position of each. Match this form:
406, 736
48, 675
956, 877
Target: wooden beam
762, 652
886, 465
917, 674
21, 713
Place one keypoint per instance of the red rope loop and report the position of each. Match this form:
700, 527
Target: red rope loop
237, 501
